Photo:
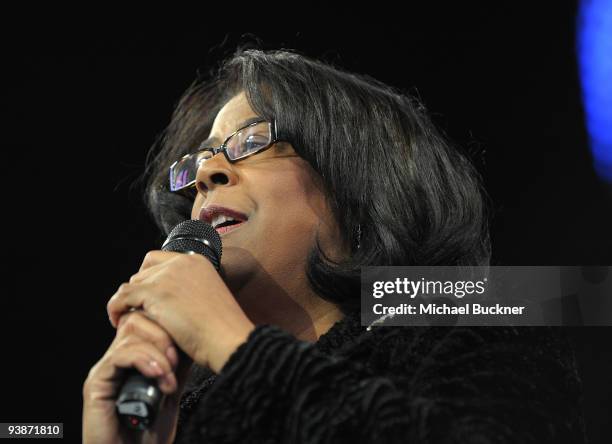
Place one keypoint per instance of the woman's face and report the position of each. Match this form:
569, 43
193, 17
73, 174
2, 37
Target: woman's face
279, 193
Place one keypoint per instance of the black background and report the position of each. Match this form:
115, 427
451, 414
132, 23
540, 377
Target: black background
87, 101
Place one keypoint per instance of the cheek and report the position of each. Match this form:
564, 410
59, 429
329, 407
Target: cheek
293, 209
288, 210
195, 207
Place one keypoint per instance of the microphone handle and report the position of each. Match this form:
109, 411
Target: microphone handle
138, 400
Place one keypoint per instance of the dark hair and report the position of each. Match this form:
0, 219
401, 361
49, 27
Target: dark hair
384, 165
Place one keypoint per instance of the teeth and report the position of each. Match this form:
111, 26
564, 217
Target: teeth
219, 219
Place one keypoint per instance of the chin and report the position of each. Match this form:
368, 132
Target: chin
238, 266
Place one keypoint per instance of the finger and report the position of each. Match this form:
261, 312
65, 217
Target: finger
144, 357
173, 356
138, 344
127, 297
146, 273
137, 324
156, 257
153, 267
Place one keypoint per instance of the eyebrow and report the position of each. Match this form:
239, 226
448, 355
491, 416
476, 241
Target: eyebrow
216, 141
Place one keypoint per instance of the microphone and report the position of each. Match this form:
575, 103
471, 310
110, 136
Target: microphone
139, 397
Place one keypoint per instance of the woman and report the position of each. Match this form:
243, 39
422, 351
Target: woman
323, 172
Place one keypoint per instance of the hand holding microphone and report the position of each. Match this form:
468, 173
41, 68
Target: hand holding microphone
182, 296
139, 397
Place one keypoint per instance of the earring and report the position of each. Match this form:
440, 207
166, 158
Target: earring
358, 236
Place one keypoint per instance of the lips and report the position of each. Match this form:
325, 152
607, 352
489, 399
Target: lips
210, 212
223, 230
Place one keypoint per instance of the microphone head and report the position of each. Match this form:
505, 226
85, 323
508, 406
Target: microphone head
196, 236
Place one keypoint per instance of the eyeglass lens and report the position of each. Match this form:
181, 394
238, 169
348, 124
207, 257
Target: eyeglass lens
242, 144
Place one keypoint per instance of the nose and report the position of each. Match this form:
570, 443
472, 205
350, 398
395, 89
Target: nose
213, 172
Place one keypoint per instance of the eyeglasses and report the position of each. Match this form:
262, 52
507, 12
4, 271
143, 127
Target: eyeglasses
251, 139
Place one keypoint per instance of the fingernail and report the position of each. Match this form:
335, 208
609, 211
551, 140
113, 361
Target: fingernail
169, 381
156, 368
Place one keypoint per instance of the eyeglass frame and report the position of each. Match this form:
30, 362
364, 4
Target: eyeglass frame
223, 148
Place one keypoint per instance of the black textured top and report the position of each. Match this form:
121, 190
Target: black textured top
390, 385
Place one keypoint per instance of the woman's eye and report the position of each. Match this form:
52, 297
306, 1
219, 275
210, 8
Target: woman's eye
254, 142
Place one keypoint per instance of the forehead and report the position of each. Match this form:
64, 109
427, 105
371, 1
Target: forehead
230, 117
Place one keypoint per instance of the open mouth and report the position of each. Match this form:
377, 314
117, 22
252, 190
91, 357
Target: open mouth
222, 219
